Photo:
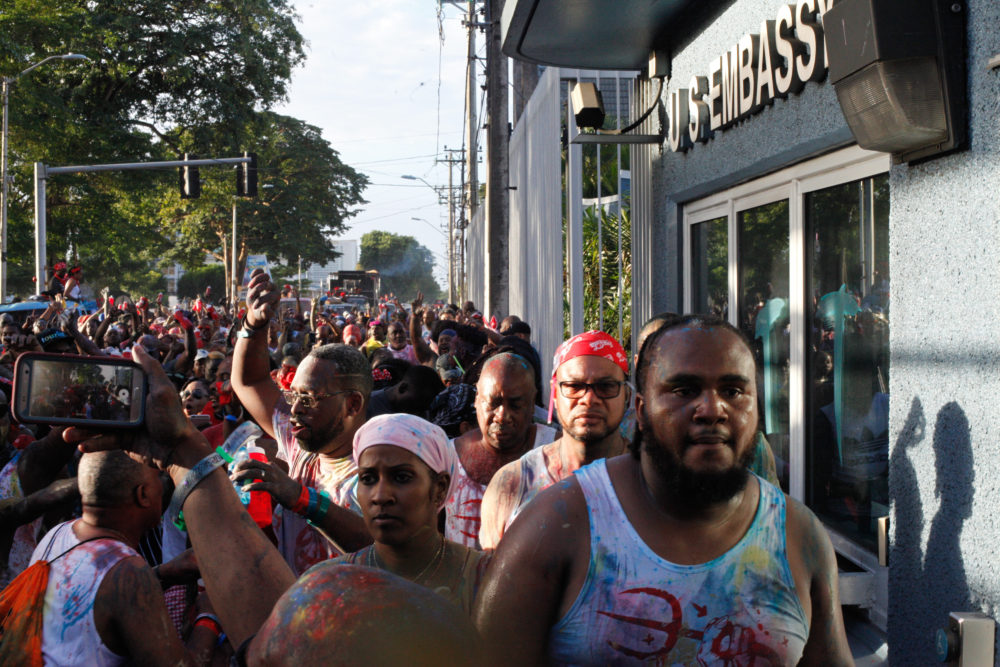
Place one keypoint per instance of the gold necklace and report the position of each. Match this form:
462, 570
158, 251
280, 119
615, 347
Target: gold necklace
376, 562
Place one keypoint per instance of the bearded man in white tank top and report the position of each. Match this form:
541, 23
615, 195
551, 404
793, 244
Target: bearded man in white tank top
673, 553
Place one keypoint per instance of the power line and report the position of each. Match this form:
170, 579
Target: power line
397, 159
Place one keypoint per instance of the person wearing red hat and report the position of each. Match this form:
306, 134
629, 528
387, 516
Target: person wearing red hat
71, 290
58, 280
590, 393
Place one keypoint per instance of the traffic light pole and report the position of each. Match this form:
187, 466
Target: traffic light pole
42, 172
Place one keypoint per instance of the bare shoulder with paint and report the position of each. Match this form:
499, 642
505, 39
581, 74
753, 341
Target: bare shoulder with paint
813, 563
500, 499
524, 587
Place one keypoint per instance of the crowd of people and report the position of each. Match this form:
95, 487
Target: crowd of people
323, 484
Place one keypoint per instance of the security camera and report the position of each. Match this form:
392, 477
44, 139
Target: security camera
588, 107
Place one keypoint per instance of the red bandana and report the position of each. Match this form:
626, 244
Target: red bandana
587, 344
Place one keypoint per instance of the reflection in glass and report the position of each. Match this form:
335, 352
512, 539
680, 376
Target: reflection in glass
847, 259
763, 316
710, 269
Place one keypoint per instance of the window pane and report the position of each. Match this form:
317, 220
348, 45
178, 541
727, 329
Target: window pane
710, 270
848, 367
763, 309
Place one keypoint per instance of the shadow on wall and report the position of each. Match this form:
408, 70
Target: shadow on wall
926, 586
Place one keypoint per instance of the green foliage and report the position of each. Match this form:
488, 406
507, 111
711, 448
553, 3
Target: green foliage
194, 281
305, 197
601, 292
164, 77
405, 266
600, 273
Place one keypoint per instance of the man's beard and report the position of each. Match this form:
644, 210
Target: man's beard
693, 489
589, 435
319, 441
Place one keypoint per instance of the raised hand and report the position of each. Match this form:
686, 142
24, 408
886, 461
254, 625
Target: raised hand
262, 297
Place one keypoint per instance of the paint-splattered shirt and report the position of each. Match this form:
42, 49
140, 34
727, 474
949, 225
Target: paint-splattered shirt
515, 485
637, 608
462, 517
26, 536
69, 635
302, 545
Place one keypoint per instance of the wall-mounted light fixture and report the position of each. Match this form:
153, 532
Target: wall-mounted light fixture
898, 67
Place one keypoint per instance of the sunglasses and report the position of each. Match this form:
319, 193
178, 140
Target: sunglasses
309, 401
602, 389
197, 394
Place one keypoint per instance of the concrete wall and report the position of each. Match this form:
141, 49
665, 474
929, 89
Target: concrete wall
945, 429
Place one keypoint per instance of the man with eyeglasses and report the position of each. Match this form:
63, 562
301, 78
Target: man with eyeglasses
590, 393
314, 423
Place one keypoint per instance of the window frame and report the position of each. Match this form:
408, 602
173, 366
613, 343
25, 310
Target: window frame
792, 183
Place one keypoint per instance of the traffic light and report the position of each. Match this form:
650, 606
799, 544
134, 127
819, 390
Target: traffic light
246, 176
190, 182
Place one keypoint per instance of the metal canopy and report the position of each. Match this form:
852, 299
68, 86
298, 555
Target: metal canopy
590, 34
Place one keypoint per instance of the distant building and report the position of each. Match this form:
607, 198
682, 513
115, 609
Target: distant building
314, 278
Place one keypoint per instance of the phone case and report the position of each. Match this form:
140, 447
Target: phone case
24, 370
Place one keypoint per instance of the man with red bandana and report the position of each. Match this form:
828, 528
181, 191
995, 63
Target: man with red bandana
590, 394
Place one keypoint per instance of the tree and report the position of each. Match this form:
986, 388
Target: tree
305, 197
160, 71
405, 266
194, 281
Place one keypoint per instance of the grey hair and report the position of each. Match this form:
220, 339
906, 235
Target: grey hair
350, 366
107, 479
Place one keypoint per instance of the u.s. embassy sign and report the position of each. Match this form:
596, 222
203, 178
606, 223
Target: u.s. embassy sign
788, 52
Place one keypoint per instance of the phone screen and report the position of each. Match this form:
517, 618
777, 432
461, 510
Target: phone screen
79, 390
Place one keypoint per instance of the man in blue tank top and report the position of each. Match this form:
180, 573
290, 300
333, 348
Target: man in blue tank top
674, 553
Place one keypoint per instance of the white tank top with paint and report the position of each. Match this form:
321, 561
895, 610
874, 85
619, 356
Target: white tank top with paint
69, 635
637, 608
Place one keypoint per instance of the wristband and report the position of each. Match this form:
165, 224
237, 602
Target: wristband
209, 621
199, 472
303, 502
313, 499
247, 330
319, 511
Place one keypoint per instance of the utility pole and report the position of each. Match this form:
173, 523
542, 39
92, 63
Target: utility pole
497, 194
471, 143
451, 160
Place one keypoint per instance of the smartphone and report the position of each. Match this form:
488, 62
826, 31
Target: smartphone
74, 390
200, 421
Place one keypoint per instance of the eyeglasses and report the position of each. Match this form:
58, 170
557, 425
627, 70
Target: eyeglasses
197, 394
602, 389
309, 401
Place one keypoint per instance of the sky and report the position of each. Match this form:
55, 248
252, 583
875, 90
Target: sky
389, 97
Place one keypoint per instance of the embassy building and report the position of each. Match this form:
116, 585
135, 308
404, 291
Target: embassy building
825, 175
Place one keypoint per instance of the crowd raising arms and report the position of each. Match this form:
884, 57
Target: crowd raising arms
634, 531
